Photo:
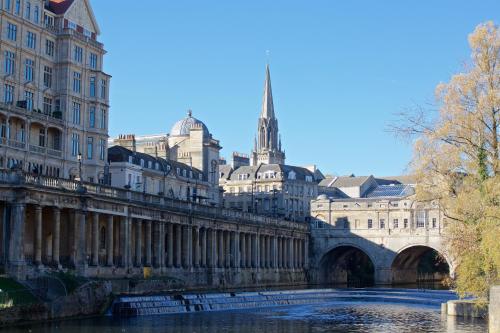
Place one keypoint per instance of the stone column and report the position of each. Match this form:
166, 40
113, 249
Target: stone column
274, 252
56, 237
255, 245
162, 244
149, 228
243, 259
204, 249
170, 245
220, 243
129, 242
138, 243
185, 246
268, 252
16, 239
211, 248
227, 249
38, 235
178, 250
81, 253
156, 246
291, 259
95, 239
306, 253
109, 242
236, 249
249, 251
196, 244
262, 244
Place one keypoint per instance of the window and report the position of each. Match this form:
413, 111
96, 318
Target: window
405, 223
93, 61
102, 123
29, 70
36, 14
78, 54
29, 100
75, 144
76, 113
41, 138
92, 86
395, 223
434, 222
92, 117
47, 76
8, 4
421, 219
10, 62
370, 224
47, 105
77, 82
8, 95
49, 47
27, 14
12, 32
17, 9
382, 224
90, 147
31, 40
103, 89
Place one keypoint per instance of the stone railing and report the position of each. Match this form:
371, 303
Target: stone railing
187, 207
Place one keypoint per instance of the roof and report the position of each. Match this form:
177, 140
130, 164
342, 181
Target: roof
59, 7
119, 154
350, 181
280, 171
225, 171
184, 126
404, 179
385, 191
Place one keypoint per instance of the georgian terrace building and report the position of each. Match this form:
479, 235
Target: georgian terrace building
54, 98
154, 175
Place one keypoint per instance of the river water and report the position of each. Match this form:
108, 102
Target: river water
327, 317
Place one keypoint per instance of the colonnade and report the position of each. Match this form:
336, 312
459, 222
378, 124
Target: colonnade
80, 239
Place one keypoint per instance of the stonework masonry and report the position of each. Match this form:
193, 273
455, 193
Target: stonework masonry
102, 232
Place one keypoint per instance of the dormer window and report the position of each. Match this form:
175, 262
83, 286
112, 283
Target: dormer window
292, 175
179, 171
150, 165
200, 176
190, 174
309, 179
142, 163
130, 159
184, 173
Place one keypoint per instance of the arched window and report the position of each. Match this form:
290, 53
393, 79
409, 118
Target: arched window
213, 172
102, 239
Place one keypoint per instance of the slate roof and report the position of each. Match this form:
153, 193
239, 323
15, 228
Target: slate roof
350, 181
281, 170
119, 154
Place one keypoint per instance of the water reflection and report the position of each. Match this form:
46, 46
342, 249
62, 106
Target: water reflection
333, 317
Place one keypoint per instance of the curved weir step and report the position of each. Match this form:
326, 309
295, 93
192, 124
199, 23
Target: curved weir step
130, 306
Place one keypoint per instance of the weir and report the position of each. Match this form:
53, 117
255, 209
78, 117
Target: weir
188, 303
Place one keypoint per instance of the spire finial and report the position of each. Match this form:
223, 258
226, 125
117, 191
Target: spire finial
190, 113
268, 55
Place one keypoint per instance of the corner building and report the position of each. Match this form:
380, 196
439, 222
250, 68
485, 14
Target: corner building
54, 99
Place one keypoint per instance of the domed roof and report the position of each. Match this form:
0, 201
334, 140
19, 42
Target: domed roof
183, 126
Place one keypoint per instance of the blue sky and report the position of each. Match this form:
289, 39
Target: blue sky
340, 70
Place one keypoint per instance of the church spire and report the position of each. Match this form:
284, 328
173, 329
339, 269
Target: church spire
267, 101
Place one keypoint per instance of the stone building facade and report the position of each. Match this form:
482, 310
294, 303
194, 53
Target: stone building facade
155, 175
99, 231
190, 143
277, 190
54, 94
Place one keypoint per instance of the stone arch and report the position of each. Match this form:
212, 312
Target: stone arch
420, 263
347, 264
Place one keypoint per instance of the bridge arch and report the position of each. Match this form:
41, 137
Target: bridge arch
420, 264
347, 264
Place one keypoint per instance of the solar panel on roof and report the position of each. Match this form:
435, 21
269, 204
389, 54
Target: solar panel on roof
390, 191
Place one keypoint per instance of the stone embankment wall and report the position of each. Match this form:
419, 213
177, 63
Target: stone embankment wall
90, 299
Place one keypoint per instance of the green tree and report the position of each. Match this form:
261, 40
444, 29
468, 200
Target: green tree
456, 161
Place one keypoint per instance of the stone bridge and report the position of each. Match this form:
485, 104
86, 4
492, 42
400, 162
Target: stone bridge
51, 224
391, 255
